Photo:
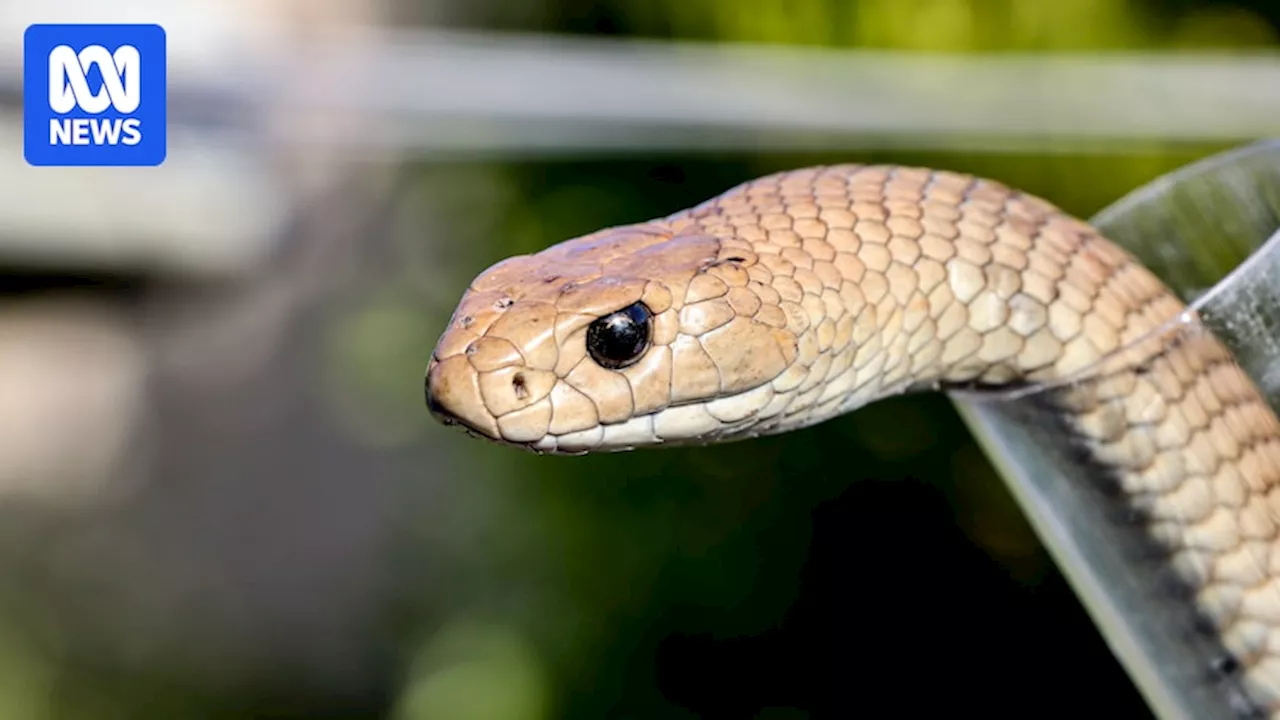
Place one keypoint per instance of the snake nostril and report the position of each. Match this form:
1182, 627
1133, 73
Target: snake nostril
519, 385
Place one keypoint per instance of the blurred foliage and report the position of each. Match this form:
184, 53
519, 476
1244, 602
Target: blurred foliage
934, 25
487, 673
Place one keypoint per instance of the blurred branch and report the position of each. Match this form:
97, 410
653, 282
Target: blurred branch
377, 94
427, 92
437, 92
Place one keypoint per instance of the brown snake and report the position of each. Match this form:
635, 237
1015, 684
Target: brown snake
803, 295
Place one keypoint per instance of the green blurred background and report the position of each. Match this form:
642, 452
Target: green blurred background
293, 537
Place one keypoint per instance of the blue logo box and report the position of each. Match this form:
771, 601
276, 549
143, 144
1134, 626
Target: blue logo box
94, 95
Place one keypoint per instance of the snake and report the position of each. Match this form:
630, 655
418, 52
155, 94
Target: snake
799, 296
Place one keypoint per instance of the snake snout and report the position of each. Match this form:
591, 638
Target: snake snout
434, 406
453, 396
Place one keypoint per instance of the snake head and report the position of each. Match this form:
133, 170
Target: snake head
632, 336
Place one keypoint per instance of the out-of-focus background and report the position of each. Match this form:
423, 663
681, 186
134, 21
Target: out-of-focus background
221, 495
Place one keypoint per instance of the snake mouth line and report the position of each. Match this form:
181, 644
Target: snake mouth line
448, 419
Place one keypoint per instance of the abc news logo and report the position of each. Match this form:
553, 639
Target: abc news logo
121, 88
94, 95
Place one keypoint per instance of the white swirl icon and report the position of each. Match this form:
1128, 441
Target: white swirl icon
69, 85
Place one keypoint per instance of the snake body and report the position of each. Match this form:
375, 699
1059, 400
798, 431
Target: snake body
802, 295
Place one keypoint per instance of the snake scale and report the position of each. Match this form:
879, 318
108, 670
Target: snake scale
802, 295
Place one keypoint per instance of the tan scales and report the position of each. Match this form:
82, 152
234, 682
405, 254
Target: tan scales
807, 294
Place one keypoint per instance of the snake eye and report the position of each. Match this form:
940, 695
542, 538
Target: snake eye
618, 340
